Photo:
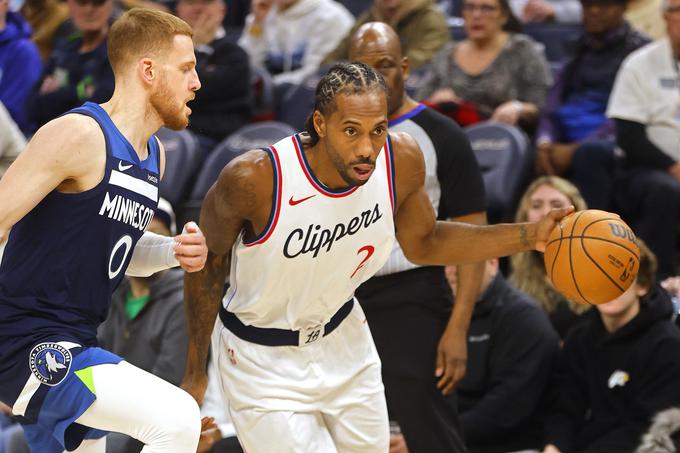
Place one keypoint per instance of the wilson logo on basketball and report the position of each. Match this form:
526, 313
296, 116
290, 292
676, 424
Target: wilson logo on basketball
620, 231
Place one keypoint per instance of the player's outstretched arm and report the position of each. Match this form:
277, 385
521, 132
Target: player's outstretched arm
242, 191
60, 155
427, 241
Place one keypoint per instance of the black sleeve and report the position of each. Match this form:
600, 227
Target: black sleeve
567, 397
462, 186
171, 359
519, 368
632, 138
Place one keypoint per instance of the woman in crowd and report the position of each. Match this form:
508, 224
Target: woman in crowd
528, 271
502, 73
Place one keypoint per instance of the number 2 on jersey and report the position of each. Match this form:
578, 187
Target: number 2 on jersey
369, 249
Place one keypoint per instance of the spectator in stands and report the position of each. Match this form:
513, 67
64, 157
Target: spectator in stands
20, 64
78, 69
146, 324
617, 370
420, 25
12, 141
290, 38
506, 375
573, 131
528, 271
644, 104
646, 16
223, 103
502, 73
546, 11
45, 17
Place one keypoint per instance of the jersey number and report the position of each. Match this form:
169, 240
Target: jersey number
369, 249
126, 242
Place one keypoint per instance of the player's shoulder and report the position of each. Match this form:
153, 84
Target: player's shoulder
68, 137
251, 172
405, 148
72, 129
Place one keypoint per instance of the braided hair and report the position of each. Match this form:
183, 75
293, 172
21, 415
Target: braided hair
342, 78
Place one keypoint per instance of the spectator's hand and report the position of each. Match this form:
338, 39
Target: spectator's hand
49, 85
205, 28
210, 434
672, 286
5, 409
508, 112
259, 9
190, 248
550, 448
561, 156
544, 164
674, 170
547, 223
451, 359
444, 95
538, 11
398, 444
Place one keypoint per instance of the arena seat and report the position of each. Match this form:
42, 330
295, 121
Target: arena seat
505, 159
182, 160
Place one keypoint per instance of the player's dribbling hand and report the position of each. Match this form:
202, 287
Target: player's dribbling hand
190, 248
451, 359
545, 226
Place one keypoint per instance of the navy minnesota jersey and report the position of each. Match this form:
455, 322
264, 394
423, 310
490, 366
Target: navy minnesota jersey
65, 257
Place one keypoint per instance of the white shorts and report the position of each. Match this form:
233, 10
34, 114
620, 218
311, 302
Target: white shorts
324, 397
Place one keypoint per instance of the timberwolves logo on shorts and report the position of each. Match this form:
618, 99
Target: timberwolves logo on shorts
50, 363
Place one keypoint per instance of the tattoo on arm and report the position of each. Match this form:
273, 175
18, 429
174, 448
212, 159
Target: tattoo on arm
523, 236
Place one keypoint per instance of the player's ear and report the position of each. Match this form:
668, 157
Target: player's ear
319, 123
147, 70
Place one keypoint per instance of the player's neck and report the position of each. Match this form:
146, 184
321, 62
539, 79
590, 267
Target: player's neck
406, 106
322, 167
133, 118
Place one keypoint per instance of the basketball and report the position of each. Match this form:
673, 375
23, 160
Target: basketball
591, 256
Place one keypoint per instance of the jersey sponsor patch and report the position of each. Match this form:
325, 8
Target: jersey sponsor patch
50, 363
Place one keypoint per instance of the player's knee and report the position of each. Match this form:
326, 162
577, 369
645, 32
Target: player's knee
183, 429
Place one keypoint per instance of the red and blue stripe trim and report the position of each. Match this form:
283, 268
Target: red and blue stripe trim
276, 199
318, 185
389, 161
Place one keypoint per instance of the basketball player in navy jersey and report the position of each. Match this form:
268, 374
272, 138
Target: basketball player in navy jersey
78, 200
298, 226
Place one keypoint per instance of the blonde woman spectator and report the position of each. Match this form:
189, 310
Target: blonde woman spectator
528, 271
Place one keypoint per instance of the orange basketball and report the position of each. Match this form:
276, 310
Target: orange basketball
592, 256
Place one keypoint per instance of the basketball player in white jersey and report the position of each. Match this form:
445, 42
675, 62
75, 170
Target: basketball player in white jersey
298, 227
78, 200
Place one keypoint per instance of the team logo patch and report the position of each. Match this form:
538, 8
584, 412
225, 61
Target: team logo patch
50, 363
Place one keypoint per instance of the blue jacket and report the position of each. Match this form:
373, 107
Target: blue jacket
20, 67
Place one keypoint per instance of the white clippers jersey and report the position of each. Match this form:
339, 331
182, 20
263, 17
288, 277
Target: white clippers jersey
318, 247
